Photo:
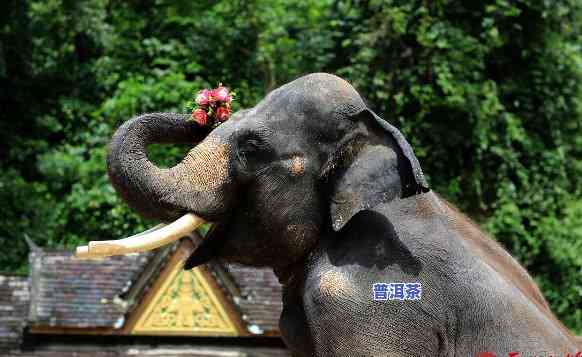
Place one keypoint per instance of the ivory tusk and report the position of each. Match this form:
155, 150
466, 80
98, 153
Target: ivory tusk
82, 252
155, 228
142, 242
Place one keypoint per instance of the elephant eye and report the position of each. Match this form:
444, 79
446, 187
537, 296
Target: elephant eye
249, 147
251, 143
252, 147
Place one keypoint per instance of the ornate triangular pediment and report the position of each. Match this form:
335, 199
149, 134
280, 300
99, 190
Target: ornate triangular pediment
185, 302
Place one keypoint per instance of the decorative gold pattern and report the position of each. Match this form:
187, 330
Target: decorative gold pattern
185, 305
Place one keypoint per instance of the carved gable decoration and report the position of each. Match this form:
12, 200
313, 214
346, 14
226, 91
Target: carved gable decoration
185, 303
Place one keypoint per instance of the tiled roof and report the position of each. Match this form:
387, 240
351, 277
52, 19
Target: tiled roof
260, 297
64, 292
13, 310
67, 292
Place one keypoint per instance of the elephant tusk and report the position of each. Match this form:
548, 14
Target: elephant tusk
142, 242
82, 252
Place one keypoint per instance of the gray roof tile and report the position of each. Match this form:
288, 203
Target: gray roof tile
67, 292
14, 299
260, 296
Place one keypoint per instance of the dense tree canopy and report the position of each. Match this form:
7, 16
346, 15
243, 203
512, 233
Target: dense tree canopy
489, 93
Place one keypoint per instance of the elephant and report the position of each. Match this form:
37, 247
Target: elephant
315, 185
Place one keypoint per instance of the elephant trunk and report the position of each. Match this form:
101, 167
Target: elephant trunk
195, 185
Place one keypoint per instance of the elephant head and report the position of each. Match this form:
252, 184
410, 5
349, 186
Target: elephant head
273, 178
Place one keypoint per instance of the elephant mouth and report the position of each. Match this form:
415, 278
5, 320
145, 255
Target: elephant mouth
209, 247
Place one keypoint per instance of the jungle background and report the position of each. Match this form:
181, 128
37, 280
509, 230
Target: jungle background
489, 93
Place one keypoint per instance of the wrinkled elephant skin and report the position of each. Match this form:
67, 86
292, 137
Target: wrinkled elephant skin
315, 185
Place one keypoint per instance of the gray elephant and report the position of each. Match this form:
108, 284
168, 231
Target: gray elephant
314, 184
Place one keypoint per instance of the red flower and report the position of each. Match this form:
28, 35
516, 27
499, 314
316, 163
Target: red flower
212, 107
221, 94
222, 113
200, 116
203, 97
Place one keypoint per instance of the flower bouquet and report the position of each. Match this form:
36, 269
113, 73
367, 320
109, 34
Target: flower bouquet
212, 107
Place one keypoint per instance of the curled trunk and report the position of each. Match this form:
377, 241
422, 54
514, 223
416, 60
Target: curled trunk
193, 185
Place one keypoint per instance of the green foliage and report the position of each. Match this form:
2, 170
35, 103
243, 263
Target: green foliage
489, 93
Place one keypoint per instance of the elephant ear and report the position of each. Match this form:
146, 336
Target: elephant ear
376, 174
416, 182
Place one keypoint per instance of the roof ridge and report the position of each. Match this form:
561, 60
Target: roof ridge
151, 271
